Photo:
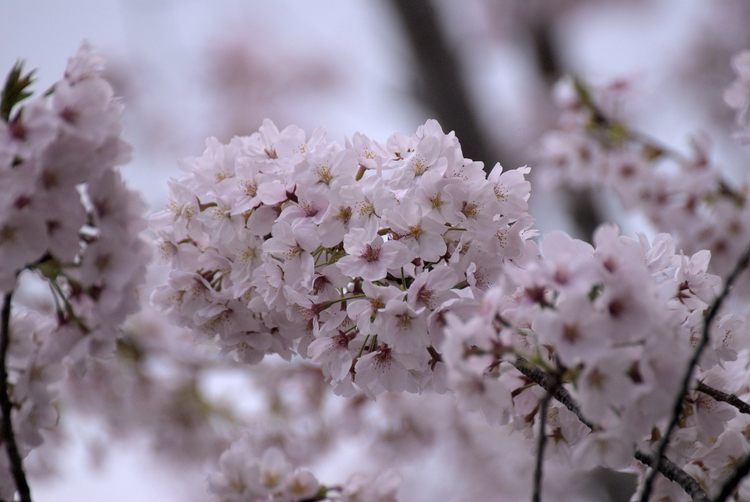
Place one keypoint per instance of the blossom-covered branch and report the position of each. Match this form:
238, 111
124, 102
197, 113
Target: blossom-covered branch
666, 467
673, 473
692, 364
718, 395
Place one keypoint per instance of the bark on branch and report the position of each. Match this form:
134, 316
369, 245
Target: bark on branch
718, 395
672, 472
536, 495
548, 383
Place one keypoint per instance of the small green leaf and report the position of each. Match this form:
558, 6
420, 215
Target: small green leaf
15, 89
618, 133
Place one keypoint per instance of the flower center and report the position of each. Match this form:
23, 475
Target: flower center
370, 254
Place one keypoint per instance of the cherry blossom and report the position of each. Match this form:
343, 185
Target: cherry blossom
377, 271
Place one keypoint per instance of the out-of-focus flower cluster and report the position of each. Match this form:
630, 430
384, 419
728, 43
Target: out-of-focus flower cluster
66, 218
351, 256
737, 96
705, 215
686, 196
243, 477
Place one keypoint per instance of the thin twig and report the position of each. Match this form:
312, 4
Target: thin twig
718, 395
668, 468
687, 378
16, 463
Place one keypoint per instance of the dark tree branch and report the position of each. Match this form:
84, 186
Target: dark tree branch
741, 265
16, 463
668, 468
718, 395
672, 472
542, 40
444, 88
547, 382
584, 212
730, 484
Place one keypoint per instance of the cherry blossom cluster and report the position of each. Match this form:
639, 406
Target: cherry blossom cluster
242, 476
67, 220
615, 324
403, 267
686, 196
351, 256
560, 315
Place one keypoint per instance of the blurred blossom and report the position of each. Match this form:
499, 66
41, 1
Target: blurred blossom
247, 82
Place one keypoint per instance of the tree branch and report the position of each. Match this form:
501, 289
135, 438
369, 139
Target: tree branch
672, 472
718, 395
16, 463
687, 378
730, 484
668, 468
444, 90
547, 382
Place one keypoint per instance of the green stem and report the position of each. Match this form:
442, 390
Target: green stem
362, 348
361, 172
334, 302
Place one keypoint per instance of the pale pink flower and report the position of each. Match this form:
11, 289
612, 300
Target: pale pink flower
360, 488
425, 157
434, 196
86, 108
423, 235
311, 207
511, 190
293, 247
432, 288
369, 257
381, 371
575, 329
365, 310
402, 327
737, 96
333, 354
326, 169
